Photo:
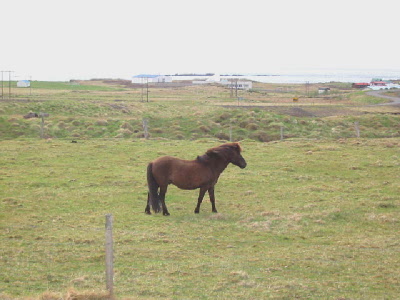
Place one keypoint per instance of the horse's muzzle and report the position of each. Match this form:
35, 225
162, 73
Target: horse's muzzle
242, 164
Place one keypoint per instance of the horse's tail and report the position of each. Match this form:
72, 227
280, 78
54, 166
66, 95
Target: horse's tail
153, 189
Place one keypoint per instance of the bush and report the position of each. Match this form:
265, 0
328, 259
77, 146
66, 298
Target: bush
157, 130
204, 128
127, 126
261, 136
102, 123
252, 126
222, 136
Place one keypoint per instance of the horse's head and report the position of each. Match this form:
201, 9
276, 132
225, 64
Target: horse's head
237, 158
231, 152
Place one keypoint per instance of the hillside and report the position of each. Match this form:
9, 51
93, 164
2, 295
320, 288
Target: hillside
113, 109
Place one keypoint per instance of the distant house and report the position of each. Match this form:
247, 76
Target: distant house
360, 85
378, 83
239, 84
23, 83
146, 78
323, 90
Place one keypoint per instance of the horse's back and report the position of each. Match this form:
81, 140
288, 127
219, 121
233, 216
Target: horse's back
185, 174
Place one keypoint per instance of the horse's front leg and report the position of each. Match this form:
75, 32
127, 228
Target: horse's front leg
200, 199
212, 199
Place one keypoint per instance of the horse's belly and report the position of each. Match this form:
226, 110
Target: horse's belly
189, 181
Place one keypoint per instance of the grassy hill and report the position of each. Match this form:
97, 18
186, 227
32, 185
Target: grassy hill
100, 109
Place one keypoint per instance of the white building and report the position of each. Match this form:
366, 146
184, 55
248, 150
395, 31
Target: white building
239, 84
23, 83
146, 78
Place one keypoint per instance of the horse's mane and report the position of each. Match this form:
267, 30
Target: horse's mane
222, 151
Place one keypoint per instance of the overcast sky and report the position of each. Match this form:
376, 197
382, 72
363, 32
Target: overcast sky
62, 40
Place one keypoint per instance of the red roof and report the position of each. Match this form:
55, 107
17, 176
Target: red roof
378, 83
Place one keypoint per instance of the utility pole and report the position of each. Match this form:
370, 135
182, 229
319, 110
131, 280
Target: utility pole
307, 88
9, 83
142, 85
147, 88
2, 85
236, 87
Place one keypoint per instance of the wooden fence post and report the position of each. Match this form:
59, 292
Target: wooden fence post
42, 128
42, 115
109, 255
146, 129
357, 128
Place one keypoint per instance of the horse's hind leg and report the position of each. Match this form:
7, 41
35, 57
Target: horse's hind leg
163, 191
199, 200
147, 209
212, 199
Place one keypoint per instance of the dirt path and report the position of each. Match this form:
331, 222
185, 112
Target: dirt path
396, 100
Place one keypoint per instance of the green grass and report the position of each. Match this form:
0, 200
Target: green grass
74, 119
315, 216
102, 110
306, 219
60, 85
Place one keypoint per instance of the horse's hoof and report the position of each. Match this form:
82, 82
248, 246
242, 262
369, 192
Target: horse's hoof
196, 211
166, 214
215, 211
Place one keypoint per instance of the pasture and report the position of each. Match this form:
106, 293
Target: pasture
314, 215
307, 219
99, 109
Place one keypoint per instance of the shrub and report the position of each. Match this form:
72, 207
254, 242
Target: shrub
204, 128
102, 123
224, 116
127, 126
222, 136
252, 126
261, 136
157, 130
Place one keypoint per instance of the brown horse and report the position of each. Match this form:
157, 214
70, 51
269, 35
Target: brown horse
202, 173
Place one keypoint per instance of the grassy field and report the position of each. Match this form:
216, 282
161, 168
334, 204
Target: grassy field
313, 216
306, 220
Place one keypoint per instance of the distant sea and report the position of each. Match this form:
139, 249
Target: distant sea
310, 76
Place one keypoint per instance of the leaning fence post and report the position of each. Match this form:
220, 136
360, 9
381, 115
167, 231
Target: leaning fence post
109, 255
146, 129
357, 128
42, 115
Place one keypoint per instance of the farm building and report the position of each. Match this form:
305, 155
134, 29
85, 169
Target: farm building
360, 85
378, 83
23, 83
323, 90
239, 84
146, 78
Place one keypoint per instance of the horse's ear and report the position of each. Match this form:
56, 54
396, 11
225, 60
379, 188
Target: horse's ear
237, 147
